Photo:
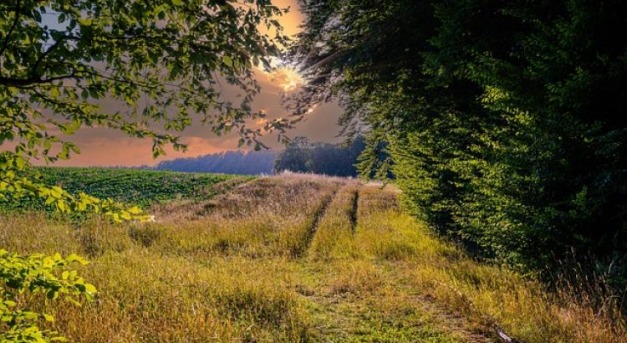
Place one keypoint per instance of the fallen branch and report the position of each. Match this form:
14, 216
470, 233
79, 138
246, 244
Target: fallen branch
503, 336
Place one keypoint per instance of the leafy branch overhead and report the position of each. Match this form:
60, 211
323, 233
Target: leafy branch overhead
160, 62
146, 68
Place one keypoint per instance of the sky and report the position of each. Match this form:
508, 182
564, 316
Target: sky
106, 147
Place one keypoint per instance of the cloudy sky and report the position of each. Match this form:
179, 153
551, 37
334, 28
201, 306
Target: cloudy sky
105, 147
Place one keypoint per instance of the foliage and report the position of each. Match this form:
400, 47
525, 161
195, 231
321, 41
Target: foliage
146, 69
320, 158
25, 189
501, 118
136, 189
38, 274
134, 186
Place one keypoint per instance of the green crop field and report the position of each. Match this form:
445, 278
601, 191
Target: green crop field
132, 186
290, 258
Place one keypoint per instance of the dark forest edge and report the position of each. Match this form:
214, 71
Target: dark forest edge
504, 121
300, 155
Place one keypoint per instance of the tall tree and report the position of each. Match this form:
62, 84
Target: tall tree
503, 119
320, 158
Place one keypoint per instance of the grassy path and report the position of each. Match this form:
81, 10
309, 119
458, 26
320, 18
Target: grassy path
360, 293
291, 259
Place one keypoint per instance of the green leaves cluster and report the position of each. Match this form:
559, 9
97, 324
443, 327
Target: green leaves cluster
49, 276
148, 69
130, 186
503, 119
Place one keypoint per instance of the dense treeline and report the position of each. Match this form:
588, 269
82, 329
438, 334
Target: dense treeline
320, 158
300, 156
229, 162
505, 120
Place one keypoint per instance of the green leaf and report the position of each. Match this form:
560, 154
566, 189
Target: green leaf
51, 294
91, 289
85, 21
54, 92
8, 303
37, 16
227, 61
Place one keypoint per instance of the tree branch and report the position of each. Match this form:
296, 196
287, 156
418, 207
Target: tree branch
43, 55
32, 80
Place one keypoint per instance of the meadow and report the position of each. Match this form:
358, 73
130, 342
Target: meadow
288, 258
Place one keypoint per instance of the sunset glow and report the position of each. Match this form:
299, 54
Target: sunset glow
287, 78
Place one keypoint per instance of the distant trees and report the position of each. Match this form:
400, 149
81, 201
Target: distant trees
505, 120
230, 162
299, 156
320, 158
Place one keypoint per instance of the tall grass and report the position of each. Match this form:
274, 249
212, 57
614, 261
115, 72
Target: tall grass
335, 231
268, 217
487, 295
295, 259
221, 276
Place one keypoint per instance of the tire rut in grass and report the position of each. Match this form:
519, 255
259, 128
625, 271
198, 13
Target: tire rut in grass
354, 211
317, 217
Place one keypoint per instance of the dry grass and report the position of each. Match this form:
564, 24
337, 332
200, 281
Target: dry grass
268, 217
335, 231
486, 295
176, 300
295, 258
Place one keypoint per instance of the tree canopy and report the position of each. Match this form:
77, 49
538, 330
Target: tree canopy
504, 120
147, 68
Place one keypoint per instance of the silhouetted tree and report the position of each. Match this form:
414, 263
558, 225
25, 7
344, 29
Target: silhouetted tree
320, 158
230, 162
